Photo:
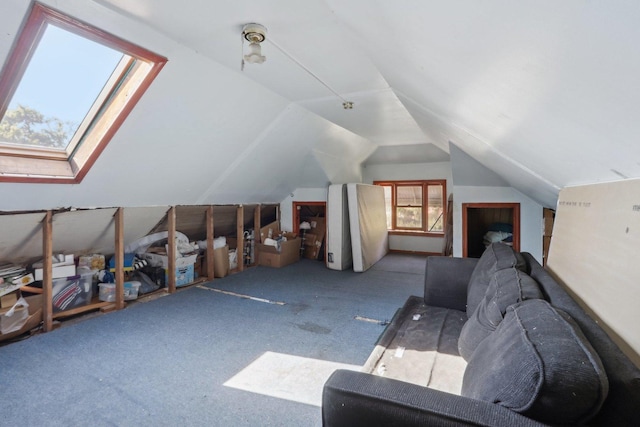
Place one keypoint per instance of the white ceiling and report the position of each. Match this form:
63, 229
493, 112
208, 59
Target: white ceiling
543, 93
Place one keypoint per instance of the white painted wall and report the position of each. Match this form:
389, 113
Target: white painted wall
299, 195
531, 222
418, 171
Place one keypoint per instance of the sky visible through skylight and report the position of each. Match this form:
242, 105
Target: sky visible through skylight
65, 75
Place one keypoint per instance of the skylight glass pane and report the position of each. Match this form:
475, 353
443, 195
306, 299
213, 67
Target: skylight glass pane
62, 81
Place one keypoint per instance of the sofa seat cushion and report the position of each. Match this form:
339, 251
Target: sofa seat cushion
421, 347
538, 363
507, 287
497, 256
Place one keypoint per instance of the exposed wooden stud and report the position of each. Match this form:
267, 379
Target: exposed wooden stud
210, 237
171, 252
257, 224
47, 267
119, 255
240, 234
257, 214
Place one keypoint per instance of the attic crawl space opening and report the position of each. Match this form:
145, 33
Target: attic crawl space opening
65, 89
485, 223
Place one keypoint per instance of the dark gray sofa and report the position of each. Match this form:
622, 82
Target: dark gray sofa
527, 355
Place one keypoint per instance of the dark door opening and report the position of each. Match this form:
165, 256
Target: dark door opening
312, 215
483, 223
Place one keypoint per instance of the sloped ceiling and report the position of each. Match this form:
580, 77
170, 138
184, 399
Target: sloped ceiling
542, 93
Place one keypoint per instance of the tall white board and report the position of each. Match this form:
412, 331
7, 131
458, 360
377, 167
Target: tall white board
595, 252
368, 222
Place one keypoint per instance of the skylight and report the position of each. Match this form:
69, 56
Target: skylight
64, 91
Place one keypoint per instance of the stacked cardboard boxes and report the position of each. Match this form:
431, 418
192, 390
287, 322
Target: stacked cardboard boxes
314, 238
286, 252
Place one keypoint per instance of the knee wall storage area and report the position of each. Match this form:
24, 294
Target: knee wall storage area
60, 241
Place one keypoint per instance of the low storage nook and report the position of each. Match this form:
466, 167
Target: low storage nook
58, 264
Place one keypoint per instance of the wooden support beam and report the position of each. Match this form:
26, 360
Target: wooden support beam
257, 215
47, 268
119, 254
171, 252
210, 236
240, 234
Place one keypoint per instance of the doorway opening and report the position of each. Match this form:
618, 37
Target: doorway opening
310, 223
485, 223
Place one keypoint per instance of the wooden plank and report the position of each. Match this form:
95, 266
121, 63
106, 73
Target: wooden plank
82, 309
171, 253
240, 236
119, 254
31, 289
47, 282
257, 215
210, 237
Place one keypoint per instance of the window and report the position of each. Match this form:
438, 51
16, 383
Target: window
65, 89
415, 206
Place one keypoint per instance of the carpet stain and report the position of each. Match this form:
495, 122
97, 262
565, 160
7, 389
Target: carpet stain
313, 327
297, 308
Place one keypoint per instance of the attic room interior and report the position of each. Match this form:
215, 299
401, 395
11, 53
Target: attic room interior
336, 213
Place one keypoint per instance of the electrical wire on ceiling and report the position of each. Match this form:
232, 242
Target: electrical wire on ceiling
256, 34
347, 105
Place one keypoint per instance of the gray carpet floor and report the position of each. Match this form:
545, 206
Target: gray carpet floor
165, 362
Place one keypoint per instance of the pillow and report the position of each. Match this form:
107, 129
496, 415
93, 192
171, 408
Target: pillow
538, 363
497, 256
507, 287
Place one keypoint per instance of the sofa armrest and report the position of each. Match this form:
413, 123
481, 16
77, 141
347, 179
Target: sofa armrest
446, 280
358, 399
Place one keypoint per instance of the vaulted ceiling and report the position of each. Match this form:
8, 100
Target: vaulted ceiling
543, 93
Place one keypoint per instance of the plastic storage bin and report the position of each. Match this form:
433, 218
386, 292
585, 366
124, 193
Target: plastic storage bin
108, 291
71, 292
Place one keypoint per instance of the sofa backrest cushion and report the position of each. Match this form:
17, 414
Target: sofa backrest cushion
538, 363
507, 287
497, 256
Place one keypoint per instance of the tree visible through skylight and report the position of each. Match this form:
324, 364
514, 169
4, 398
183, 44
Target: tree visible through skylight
61, 83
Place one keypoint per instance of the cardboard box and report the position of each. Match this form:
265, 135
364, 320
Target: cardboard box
270, 231
57, 272
311, 252
313, 244
33, 320
7, 301
62, 266
221, 261
289, 253
184, 275
310, 239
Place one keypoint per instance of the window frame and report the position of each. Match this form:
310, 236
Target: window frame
395, 230
128, 83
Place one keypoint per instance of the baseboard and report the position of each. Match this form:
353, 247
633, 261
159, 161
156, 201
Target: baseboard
400, 251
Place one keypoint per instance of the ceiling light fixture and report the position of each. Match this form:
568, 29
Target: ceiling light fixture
254, 34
